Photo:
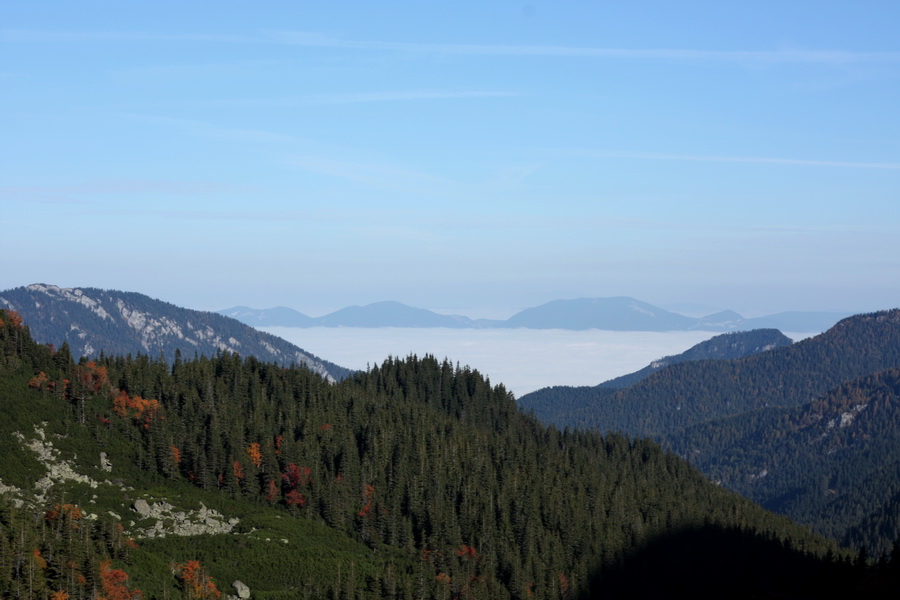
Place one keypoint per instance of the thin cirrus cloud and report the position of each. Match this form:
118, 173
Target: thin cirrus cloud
315, 39
76, 193
785, 55
41, 36
350, 98
741, 159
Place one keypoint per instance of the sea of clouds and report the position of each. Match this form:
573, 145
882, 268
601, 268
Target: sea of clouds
523, 360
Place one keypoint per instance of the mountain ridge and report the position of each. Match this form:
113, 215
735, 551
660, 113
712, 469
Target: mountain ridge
92, 320
621, 313
725, 346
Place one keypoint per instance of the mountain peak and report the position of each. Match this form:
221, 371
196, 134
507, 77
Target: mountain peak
94, 320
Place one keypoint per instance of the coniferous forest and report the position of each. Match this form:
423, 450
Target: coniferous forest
415, 479
809, 430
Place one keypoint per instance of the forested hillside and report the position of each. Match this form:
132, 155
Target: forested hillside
416, 479
809, 430
833, 463
689, 393
720, 347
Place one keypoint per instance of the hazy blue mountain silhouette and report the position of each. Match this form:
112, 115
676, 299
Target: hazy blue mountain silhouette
391, 314
614, 314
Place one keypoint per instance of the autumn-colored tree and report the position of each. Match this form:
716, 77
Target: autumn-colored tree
238, 470
295, 498
70, 513
563, 585
140, 409
73, 571
114, 586
297, 476
38, 559
175, 453
255, 454
368, 493
197, 583
60, 595
14, 318
120, 404
39, 381
94, 377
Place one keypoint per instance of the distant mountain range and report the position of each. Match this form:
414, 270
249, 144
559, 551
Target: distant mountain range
809, 429
92, 320
616, 314
378, 314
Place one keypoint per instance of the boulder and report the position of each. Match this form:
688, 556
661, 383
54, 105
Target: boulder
142, 508
241, 589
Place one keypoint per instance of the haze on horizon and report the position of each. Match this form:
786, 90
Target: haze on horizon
523, 360
460, 156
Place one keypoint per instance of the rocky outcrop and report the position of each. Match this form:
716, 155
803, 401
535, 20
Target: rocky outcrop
153, 519
167, 520
58, 469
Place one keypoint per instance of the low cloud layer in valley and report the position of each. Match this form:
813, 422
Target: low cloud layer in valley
523, 360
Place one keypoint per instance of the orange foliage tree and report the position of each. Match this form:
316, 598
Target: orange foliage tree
255, 454
94, 377
140, 409
39, 381
69, 513
38, 559
295, 498
114, 586
238, 470
122, 403
14, 318
198, 585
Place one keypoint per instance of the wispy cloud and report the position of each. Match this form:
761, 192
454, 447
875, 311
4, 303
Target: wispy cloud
785, 55
82, 192
41, 36
350, 98
319, 40
398, 96
740, 159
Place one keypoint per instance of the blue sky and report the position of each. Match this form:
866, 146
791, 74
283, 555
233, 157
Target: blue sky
455, 154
